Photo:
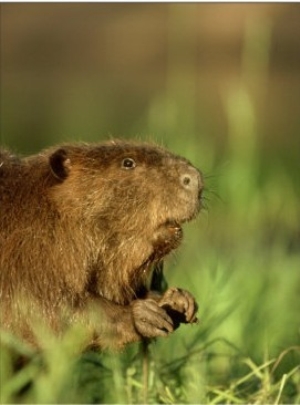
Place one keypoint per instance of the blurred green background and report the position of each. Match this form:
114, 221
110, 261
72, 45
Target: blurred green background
88, 71
219, 84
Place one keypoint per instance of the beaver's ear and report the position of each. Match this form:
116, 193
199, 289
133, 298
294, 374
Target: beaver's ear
60, 164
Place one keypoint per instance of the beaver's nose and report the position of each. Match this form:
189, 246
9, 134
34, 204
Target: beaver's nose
191, 179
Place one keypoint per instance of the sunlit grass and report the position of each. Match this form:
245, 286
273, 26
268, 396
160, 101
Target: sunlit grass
240, 259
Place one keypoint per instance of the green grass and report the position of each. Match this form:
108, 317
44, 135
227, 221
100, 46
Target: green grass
241, 260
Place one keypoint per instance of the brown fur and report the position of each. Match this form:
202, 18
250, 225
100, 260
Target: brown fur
80, 233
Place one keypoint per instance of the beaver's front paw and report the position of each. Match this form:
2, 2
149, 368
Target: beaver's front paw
150, 319
180, 305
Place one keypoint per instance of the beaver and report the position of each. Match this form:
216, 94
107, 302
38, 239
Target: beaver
82, 227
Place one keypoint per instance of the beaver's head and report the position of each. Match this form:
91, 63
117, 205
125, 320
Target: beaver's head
133, 197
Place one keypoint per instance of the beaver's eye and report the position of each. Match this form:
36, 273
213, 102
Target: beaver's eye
128, 163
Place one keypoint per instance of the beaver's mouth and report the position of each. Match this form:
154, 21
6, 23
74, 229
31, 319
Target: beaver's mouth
166, 238
173, 225
168, 235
